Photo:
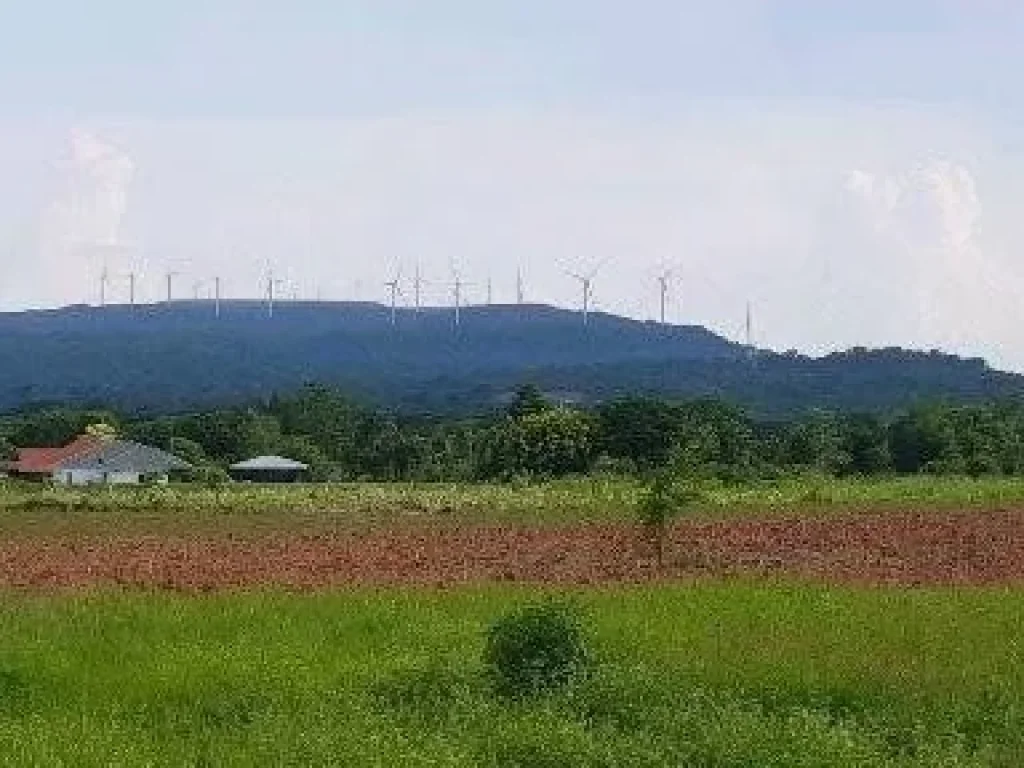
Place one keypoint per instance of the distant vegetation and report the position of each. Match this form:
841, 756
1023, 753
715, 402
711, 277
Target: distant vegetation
534, 438
167, 358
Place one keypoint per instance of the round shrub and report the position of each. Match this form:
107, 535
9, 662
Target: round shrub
536, 649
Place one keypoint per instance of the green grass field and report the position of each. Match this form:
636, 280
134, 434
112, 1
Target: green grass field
28, 509
723, 674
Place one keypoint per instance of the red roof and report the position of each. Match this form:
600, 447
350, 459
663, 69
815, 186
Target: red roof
44, 461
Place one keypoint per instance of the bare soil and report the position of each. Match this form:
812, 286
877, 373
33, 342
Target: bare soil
906, 548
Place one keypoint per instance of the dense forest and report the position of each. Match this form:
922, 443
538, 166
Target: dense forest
534, 437
172, 357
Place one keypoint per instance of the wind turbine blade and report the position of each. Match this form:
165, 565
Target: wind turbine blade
600, 265
574, 275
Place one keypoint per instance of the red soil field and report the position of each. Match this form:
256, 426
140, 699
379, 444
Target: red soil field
906, 548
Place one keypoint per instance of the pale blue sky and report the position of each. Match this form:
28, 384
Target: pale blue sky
331, 58
853, 168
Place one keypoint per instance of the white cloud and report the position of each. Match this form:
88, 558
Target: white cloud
81, 228
925, 224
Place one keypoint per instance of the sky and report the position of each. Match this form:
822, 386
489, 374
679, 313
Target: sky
853, 170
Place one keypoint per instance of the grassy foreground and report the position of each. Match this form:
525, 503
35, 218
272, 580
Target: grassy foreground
26, 509
704, 675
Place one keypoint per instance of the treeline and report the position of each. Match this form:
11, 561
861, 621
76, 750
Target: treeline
536, 438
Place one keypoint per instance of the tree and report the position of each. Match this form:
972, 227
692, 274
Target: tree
259, 434
55, 426
102, 431
529, 401
550, 443
642, 430
336, 424
671, 491
301, 448
188, 451
816, 442
866, 444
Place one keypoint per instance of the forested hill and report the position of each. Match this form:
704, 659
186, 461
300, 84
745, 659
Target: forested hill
170, 357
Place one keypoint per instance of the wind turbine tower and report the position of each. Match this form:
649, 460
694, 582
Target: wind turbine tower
663, 281
395, 286
586, 282
216, 297
749, 330
520, 292
131, 288
170, 285
417, 287
457, 288
104, 279
457, 285
272, 285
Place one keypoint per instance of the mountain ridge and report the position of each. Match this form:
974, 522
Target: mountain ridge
175, 356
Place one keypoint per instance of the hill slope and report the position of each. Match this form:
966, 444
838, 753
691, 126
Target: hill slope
174, 356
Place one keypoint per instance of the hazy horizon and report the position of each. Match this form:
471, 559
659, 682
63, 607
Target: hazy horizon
852, 173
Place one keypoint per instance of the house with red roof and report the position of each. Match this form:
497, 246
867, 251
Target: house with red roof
90, 460
42, 463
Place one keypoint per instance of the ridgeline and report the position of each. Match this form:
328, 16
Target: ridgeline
168, 357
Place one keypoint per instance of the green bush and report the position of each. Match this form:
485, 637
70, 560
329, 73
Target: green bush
536, 649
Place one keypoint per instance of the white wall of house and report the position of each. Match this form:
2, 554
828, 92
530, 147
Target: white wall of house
96, 477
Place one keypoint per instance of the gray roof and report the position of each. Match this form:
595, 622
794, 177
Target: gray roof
269, 463
125, 456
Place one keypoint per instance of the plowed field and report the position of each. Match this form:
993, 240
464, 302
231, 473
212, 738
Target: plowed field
926, 547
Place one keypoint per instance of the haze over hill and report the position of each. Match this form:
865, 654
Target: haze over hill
177, 356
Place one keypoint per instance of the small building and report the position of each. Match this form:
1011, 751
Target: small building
268, 469
41, 463
120, 462
91, 460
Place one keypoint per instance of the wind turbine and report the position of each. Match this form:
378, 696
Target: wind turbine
103, 251
395, 284
417, 287
272, 284
749, 331
457, 285
663, 281
520, 291
586, 280
171, 274
104, 279
216, 297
